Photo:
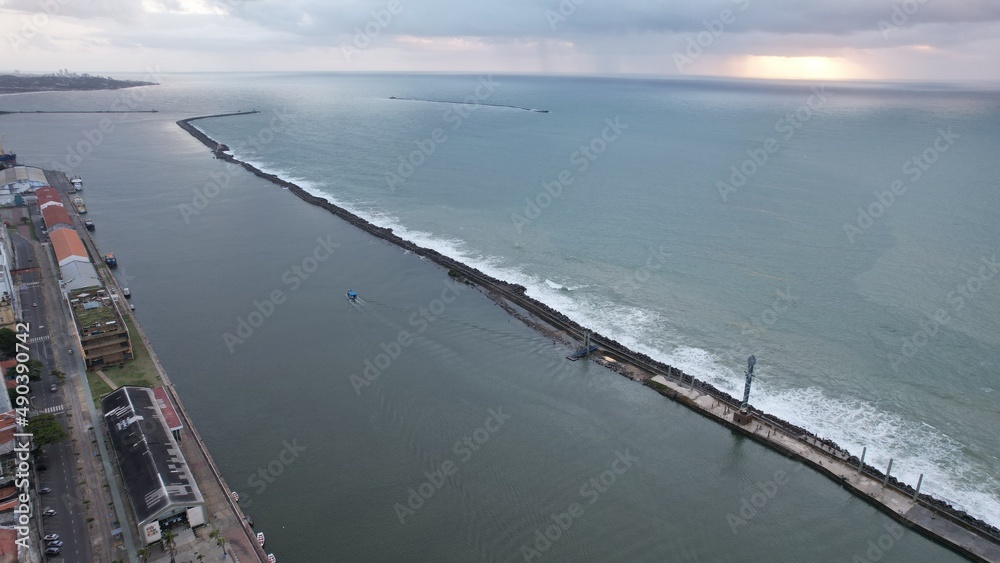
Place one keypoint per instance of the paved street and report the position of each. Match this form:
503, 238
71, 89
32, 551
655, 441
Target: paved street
60, 472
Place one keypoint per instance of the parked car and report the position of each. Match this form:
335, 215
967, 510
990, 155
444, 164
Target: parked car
51, 551
51, 537
45, 491
49, 512
56, 543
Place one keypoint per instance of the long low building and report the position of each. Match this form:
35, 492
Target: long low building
78, 274
53, 211
20, 179
161, 488
75, 268
68, 246
10, 306
47, 195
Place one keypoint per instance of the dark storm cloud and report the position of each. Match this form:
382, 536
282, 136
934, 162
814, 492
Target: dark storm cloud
898, 38
525, 18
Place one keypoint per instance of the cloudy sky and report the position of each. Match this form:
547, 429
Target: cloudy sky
946, 40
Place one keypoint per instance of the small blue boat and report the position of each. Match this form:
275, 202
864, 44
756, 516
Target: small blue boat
352, 295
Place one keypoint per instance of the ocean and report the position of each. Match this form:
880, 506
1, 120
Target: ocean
842, 234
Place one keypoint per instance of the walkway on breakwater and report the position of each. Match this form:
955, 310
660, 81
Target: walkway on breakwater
927, 515
231, 114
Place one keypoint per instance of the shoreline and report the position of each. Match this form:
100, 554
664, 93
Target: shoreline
921, 514
213, 483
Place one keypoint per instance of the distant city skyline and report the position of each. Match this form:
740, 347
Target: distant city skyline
821, 39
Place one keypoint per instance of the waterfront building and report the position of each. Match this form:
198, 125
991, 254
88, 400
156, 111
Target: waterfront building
103, 334
161, 488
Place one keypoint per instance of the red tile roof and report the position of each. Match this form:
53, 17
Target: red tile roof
66, 243
167, 408
55, 215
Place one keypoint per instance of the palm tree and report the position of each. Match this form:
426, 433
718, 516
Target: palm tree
143, 554
219, 539
168, 539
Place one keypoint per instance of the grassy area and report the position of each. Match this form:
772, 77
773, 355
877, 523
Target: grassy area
98, 388
90, 317
138, 371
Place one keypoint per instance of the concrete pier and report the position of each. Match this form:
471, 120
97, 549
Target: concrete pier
836, 465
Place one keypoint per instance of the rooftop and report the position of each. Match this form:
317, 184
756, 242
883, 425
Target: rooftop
93, 309
156, 475
167, 408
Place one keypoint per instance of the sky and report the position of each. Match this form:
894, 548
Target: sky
926, 40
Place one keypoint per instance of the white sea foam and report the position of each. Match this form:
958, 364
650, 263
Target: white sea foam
914, 448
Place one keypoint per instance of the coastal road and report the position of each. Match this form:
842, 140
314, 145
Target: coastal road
99, 478
58, 460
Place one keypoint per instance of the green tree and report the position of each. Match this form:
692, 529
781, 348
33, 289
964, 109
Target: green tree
34, 370
8, 343
46, 429
168, 541
58, 374
219, 539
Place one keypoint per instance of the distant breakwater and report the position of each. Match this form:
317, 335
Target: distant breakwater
82, 111
469, 104
631, 364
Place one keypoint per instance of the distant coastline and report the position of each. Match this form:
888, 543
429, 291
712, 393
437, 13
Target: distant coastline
15, 84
